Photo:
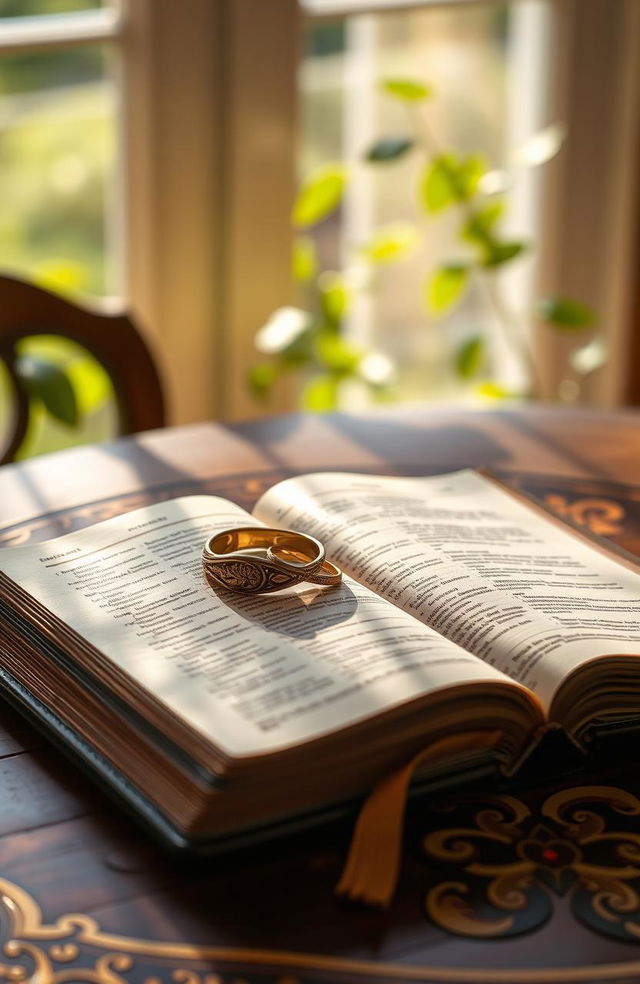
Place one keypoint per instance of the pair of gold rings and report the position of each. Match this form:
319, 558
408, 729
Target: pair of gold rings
256, 560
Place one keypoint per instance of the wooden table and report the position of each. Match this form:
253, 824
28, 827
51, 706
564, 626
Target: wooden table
270, 915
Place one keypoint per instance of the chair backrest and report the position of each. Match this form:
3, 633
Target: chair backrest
113, 340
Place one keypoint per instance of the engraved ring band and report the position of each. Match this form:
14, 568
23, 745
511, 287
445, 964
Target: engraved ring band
256, 560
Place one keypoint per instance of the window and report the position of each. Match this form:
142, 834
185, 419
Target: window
60, 216
58, 127
161, 142
501, 72
487, 64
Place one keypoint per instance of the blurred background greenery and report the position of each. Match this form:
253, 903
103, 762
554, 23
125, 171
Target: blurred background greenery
363, 264
58, 151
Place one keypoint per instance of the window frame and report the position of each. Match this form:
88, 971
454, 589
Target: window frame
211, 95
50, 31
584, 74
208, 173
206, 169
592, 185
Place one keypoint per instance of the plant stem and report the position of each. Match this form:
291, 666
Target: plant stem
511, 326
512, 331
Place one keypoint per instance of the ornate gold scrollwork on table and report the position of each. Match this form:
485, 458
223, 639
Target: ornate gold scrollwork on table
74, 950
243, 489
496, 872
594, 510
604, 517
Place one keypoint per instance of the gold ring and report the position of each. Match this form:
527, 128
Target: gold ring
254, 559
327, 573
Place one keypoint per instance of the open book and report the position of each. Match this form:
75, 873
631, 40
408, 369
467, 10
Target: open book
468, 621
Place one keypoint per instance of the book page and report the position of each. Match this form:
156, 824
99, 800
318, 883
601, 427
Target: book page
251, 673
477, 565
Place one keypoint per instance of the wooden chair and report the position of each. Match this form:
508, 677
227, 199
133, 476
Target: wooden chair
113, 340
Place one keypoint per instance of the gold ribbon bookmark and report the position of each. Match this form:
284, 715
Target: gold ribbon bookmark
372, 869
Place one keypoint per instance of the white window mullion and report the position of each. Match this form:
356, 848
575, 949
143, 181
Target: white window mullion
526, 113
342, 8
359, 126
46, 32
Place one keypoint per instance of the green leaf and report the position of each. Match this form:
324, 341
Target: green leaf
391, 242
446, 286
437, 188
49, 383
564, 314
494, 391
470, 357
470, 171
319, 196
407, 89
389, 149
334, 297
89, 380
336, 354
497, 254
479, 227
62, 277
299, 352
304, 261
320, 394
90, 383
449, 179
261, 379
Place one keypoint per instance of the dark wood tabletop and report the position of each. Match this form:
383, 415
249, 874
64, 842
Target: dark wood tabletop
546, 886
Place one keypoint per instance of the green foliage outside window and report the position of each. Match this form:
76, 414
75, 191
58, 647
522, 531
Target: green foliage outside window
57, 151
310, 341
